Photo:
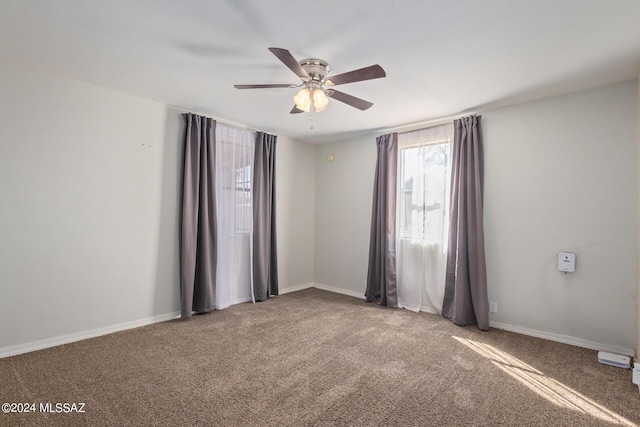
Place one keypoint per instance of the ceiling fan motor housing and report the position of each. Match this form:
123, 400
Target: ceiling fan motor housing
317, 69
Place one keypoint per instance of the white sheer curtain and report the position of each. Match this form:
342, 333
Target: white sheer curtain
234, 170
424, 170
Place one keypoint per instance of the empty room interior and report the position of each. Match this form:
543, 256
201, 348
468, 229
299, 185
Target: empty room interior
282, 212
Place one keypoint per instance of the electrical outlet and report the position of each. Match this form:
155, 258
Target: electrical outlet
493, 307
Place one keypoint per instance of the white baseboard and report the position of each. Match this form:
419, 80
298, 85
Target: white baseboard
565, 339
322, 287
295, 288
335, 290
92, 333
83, 335
360, 295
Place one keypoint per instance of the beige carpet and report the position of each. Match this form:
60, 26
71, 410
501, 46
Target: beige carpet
322, 359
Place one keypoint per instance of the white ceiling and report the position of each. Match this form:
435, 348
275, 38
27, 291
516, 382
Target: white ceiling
442, 57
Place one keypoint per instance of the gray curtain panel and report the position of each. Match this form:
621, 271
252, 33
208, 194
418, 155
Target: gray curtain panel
381, 275
465, 296
198, 220
265, 254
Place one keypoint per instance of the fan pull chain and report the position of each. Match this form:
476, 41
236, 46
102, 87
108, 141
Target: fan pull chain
311, 111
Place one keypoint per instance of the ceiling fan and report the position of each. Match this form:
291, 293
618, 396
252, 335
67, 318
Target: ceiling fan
314, 97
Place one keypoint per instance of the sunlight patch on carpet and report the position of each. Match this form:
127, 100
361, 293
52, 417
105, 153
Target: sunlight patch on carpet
552, 390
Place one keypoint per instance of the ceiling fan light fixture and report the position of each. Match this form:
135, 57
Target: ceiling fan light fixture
320, 100
303, 100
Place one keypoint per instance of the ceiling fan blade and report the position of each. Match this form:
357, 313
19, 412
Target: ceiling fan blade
358, 103
366, 73
287, 59
262, 86
296, 110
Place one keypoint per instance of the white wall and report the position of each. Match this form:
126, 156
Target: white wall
87, 215
344, 192
638, 291
295, 211
561, 175
90, 185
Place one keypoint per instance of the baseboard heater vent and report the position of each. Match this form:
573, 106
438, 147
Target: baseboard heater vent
616, 360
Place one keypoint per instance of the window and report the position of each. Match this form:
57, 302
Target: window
422, 204
234, 154
423, 196
244, 204
234, 211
